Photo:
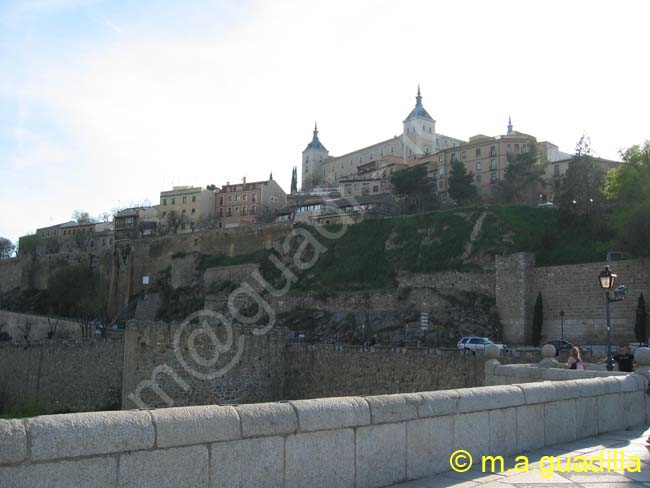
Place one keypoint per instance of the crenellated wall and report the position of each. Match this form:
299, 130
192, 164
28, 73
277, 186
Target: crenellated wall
365, 442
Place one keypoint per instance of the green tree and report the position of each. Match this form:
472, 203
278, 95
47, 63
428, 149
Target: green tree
538, 320
417, 189
83, 217
522, 181
580, 195
640, 324
461, 184
627, 188
6, 248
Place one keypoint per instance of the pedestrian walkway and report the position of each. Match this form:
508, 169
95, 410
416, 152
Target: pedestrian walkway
631, 442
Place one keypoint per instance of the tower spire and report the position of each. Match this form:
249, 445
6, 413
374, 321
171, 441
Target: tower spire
509, 125
418, 99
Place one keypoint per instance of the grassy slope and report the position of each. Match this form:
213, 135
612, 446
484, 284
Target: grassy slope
371, 253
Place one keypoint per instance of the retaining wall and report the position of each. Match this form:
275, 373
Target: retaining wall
353, 441
17, 325
68, 375
509, 374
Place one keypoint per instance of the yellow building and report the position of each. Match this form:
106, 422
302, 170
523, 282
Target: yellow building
185, 207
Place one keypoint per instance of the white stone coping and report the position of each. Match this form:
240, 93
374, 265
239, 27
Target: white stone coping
85, 434
534, 372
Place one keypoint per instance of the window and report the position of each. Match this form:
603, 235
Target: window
254, 197
556, 170
245, 196
184, 199
453, 157
441, 170
253, 210
230, 198
478, 165
375, 188
478, 152
516, 148
193, 211
173, 201
348, 188
493, 177
508, 148
220, 200
164, 201
493, 151
164, 214
236, 209
183, 212
229, 211
478, 179
238, 198
244, 210
524, 148
463, 155
441, 158
221, 212
193, 198
493, 164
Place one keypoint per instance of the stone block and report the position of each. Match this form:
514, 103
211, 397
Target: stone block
13, 441
558, 374
611, 413
538, 392
331, 413
503, 431
95, 472
586, 420
489, 397
472, 432
380, 455
183, 426
393, 408
530, 427
566, 390
165, 468
611, 384
267, 419
628, 383
437, 403
634, 407
320, 459
86, 434
490, 366
559, 422
429, 445
591, 387
249, 463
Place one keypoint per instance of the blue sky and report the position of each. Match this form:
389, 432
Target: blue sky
106, 103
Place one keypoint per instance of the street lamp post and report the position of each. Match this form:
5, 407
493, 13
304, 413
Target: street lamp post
562, 324
607, 280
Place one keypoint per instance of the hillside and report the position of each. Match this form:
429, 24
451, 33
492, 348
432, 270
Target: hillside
371, 253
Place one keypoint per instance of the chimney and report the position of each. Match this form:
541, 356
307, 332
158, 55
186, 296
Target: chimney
227, 183
243, 180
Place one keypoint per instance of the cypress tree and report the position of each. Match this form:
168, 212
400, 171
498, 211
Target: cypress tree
538, 320
640, 325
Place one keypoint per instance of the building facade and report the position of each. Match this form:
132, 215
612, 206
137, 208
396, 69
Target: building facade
185, 207
247, 203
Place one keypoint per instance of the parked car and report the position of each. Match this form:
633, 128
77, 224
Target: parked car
477, 343
560, 346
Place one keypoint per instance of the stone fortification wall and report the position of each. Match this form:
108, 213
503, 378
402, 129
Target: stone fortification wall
37, 327
62, 375
192, 365
11, 274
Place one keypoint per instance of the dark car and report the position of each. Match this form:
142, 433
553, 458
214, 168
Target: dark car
560, 346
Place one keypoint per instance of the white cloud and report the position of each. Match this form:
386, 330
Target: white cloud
143, 113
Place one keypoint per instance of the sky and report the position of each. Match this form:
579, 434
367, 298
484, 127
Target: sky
104, 103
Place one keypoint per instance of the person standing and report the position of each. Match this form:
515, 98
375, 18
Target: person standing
625, 359
575, 361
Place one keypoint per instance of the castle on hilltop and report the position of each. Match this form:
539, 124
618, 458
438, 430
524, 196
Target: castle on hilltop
368, 170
